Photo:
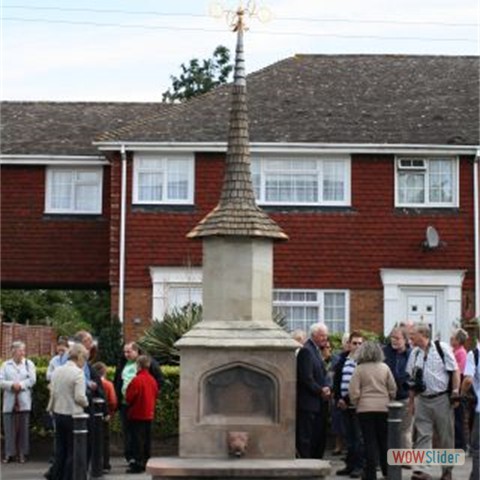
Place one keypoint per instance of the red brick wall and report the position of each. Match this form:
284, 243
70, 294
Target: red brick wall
49, 250
328, 248
39, 339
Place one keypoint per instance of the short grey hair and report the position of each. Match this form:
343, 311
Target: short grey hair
77, 351
423, 329
402, 329
460, 335
17, 344
318, 326
369, 352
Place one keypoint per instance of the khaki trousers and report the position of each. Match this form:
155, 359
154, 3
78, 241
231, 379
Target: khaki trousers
434, 414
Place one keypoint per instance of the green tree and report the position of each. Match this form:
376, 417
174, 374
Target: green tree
66, 310
200, 76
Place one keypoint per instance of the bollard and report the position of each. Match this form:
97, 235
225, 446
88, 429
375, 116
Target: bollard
394, 423
97, 439
80, 432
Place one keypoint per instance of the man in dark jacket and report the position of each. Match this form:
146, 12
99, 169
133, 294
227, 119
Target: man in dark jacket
397, 353
312, 390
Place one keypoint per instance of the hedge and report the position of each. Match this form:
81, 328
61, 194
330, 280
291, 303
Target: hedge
166, 416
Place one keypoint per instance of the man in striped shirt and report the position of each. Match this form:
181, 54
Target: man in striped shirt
435, 382
353, 437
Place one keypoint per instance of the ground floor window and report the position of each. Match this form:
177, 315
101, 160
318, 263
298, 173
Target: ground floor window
302, 308
175, 287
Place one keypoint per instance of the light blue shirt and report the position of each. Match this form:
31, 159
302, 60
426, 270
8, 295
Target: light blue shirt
55, 362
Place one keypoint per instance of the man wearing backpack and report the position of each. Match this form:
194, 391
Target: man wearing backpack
472, 378
435, 384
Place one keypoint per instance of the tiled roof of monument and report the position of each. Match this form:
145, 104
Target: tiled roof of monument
237, 213
386, 99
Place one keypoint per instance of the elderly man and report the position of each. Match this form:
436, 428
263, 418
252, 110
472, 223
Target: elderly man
435, 381
312, 391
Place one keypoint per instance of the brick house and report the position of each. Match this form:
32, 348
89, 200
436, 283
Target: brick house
368, 162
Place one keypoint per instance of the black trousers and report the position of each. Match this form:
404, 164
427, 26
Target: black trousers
127, 433
62, 468
353, 439
311, 435
375, 437
142, 438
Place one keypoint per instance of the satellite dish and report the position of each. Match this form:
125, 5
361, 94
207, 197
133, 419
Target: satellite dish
432, 239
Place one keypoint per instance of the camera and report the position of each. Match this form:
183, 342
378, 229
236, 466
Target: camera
417, 384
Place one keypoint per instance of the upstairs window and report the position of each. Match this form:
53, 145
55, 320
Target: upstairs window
303, 308
301, 181
74, 190
426, 182
160, 179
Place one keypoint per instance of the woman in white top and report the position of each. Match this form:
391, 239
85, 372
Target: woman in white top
17, 378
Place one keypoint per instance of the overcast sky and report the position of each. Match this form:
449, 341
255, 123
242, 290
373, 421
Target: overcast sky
126, 50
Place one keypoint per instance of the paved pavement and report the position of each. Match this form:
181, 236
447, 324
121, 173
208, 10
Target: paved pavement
34, 470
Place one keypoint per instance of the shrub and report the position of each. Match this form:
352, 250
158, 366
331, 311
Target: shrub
159, 340
166, 417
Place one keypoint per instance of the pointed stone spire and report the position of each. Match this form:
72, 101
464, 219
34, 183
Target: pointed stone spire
237, 213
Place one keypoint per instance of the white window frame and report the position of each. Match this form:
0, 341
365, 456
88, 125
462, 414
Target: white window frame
164, 278
163, 158
427, 204
319, 303
264, 160
72, 210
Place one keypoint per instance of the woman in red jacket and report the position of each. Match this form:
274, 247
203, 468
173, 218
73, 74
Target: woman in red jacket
141, 397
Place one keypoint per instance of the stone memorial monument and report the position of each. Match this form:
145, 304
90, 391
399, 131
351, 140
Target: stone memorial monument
238, 368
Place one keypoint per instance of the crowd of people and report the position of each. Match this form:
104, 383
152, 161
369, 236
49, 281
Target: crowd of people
436, 384
343, 393
75, 382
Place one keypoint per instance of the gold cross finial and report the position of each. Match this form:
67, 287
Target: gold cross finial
236, 19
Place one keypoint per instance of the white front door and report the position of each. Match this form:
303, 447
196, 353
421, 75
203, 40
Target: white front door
423, 308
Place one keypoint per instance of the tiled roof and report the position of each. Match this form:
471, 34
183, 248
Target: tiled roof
396, 99
65, 128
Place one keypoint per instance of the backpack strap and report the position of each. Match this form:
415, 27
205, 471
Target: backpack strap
440, 350
442, 356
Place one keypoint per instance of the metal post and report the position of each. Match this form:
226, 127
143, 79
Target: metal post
80, 432
97, 438
394, 439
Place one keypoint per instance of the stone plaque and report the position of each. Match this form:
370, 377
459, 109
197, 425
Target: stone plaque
240, 392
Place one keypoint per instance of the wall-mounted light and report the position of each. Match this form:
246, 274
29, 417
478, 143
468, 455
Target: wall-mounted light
137, 321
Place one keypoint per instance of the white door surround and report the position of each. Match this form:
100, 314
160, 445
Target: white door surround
435, 295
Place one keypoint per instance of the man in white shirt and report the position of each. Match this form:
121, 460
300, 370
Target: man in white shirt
432, 367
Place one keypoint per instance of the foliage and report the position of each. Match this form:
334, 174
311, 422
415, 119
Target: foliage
200, 76
110, 342
66, 310
166, 416
159, 340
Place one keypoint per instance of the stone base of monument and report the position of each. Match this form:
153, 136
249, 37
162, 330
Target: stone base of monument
176, 468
